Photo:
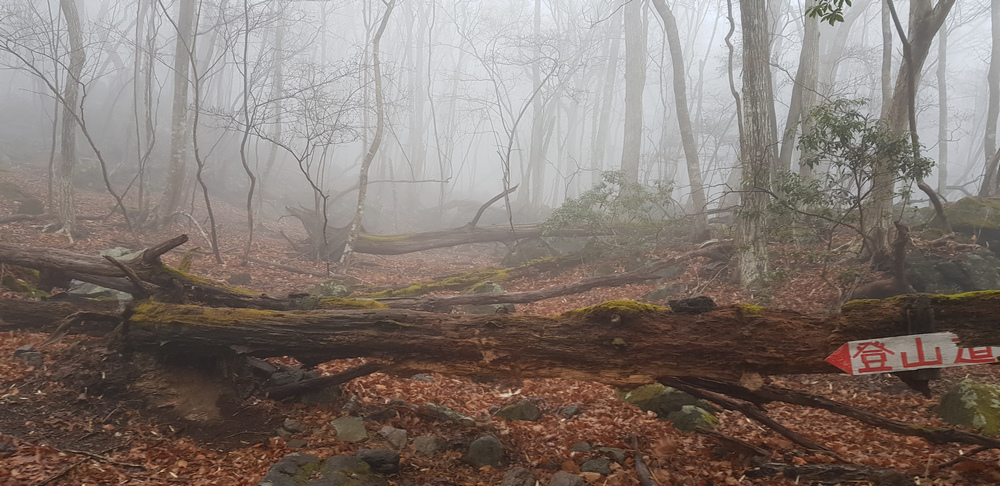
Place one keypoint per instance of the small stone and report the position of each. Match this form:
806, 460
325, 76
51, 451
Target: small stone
397, 402
350, 429
283, 433
613, 453
27, 348
485, 451
351, 405
349, 470
283, 471
429, 444
395, 437
569, 411
293, 426
600, 466
690, 417
580, 447
422, 377
518, 476
240, 279
525, 410
32, 358
324, 395
563, 478
444, 413
382, 461
296, 443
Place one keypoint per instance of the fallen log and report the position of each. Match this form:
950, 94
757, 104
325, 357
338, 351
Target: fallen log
619, 342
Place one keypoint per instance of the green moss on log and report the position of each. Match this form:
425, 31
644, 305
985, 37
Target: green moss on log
384, 239
750, 310
152, 312
459, 281
623, 308
204, 282
347, 303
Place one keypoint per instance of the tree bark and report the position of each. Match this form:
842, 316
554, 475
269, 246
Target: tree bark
757, 151
179, 115
603, 116
684, 117
803, 93
71, 90
617, 343
635, 82
990, 178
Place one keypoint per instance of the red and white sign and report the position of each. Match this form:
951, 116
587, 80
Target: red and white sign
902, 353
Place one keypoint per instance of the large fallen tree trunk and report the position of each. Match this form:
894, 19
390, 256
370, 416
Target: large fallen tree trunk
618, 342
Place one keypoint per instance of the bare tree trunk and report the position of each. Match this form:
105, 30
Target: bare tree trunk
600, 142
803, 92
989, 187
172, 193
71, 92
758, 149
942, 163
684, 116
925, 22
376, 140
536, 154
635, 82
246, 129
886, 58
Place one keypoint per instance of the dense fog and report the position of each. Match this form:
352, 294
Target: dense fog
478, 96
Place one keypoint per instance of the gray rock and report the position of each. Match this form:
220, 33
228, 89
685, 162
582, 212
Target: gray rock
32, 358
397, 402
348, 471
241, 278
286, 377
487, 288
293, 426
600, 466
422, 377
524, 410
518, 476
563, 478
527, 250
352, 405
485, 451
580, 447
282, 432
444, 413
690, 416
296, 443
382, 461
324, 395
604, 270
973, 405
350, 429
661, 293
27, 348
430, 444
292, 470
395, 437
613, 453
569, 411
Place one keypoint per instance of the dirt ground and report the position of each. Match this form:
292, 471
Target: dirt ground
90, 415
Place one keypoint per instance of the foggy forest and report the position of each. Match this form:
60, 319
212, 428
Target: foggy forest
508, 242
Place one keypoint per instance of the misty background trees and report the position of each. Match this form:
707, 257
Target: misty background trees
436, 105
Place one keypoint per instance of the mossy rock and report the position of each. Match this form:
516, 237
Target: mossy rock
332, 288
662, 400
974, 405
487, 288
971, 214
690, 416
933, 273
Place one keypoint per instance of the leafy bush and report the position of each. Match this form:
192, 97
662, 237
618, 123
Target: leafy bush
620, 213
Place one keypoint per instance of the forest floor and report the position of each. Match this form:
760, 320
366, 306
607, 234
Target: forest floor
81, 417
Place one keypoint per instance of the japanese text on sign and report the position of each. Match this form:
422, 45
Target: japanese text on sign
902, 353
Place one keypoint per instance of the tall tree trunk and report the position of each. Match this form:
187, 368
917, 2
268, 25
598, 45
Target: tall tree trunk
803, 92
376, 140
757, 152
172, 193
942, 164
990, 177
536, 154
925, 22
886, 58
635, 82
71, 91
600, 142
684, 117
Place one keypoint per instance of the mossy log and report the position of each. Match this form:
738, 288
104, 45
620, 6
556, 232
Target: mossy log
619, 342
